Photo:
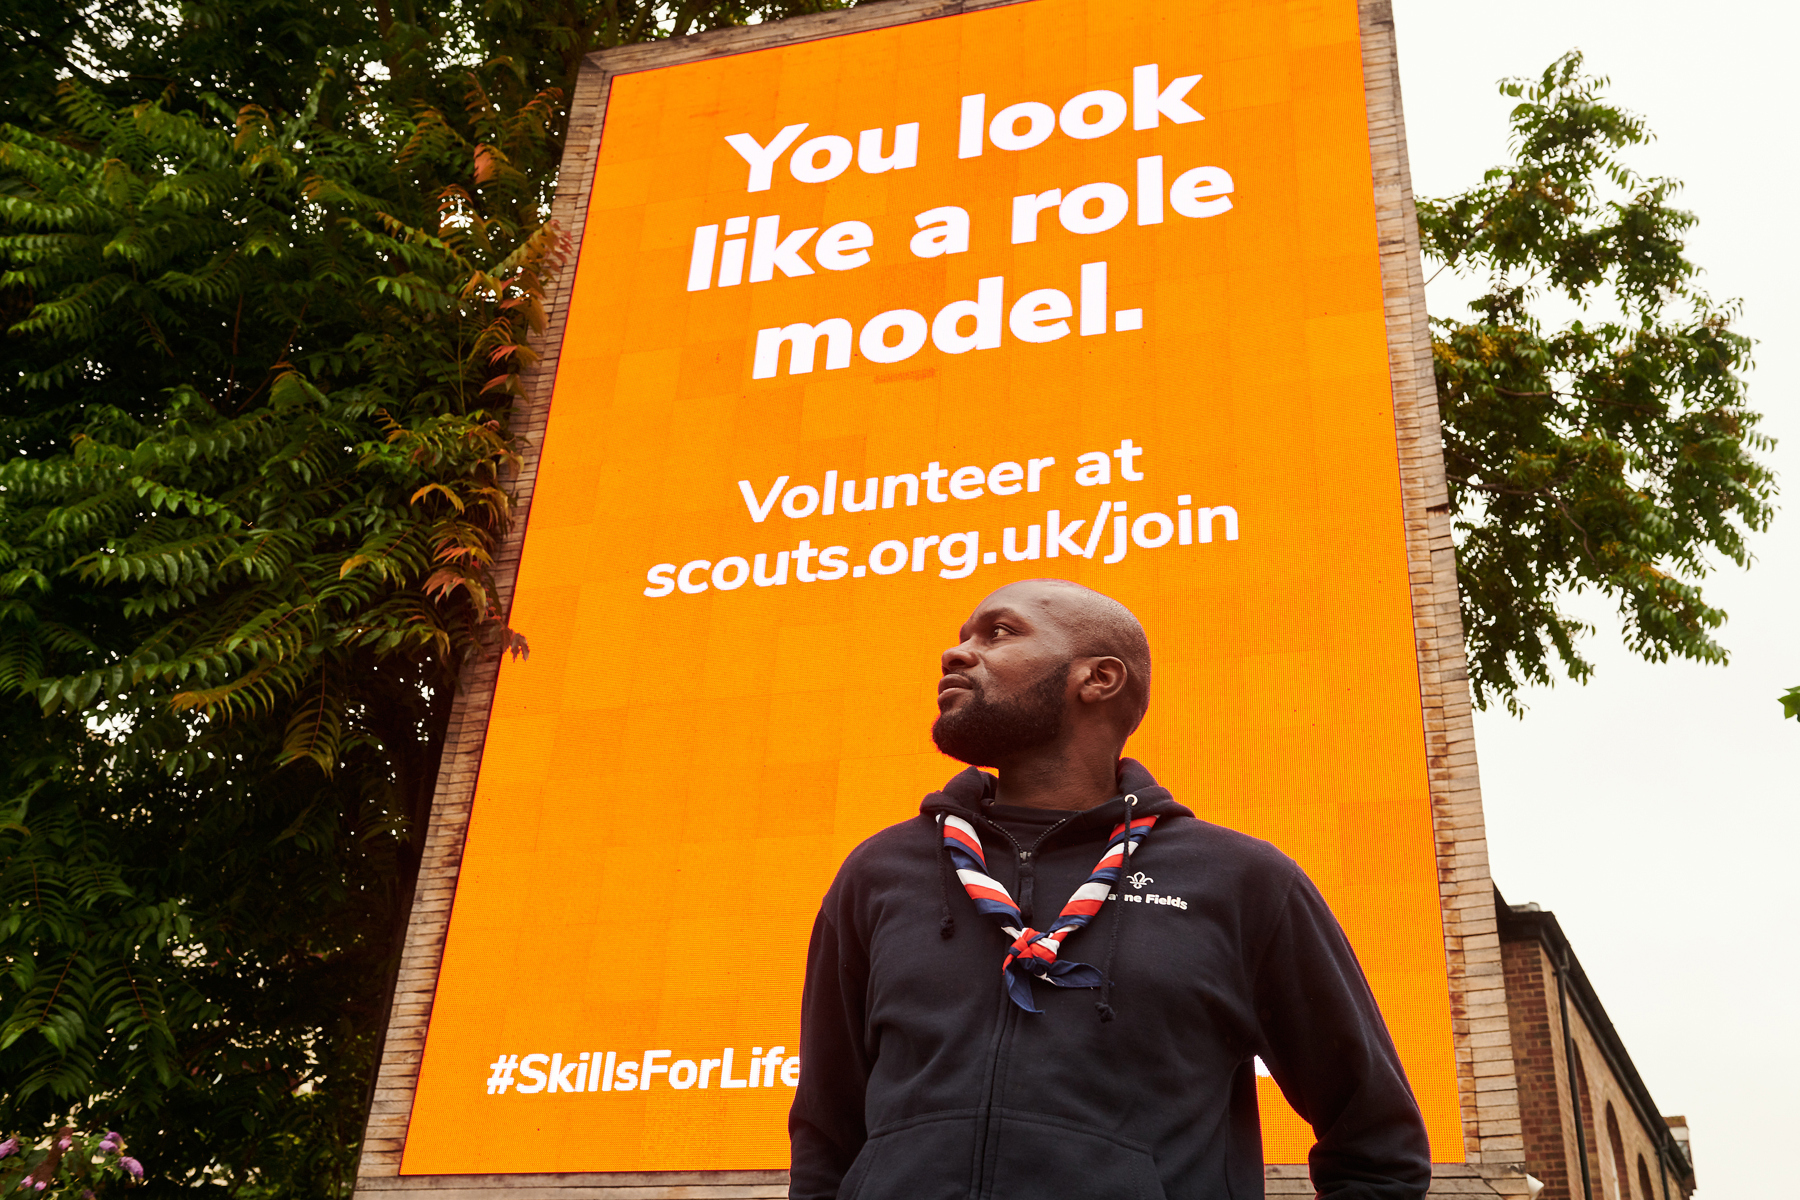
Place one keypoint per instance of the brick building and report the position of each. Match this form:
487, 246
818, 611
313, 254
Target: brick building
1627, 1149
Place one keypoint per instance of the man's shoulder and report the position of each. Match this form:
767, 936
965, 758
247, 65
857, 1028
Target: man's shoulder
902, 837
900, 849
1222, 851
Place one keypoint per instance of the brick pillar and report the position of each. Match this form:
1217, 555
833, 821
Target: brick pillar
1537, 1044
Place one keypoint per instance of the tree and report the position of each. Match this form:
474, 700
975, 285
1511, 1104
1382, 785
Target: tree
252, 490
1615, 451
268, 274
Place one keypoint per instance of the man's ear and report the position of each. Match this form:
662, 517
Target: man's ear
1102, 679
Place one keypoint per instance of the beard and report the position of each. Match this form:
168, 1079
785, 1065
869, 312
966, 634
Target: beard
984, 731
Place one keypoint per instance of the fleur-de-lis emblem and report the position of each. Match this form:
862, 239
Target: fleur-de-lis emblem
1138, 880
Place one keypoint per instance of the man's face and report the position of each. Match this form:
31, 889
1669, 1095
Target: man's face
1005, 686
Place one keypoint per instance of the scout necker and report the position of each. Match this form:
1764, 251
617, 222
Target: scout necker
1054, 982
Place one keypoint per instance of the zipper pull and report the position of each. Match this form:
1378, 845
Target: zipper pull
1024, 856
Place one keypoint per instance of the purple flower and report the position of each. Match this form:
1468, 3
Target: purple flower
65, 1143
9, 1146
42, 1184
87, 1194
132, 1165
107, 1145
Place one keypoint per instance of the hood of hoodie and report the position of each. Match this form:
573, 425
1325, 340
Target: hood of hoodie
969, 791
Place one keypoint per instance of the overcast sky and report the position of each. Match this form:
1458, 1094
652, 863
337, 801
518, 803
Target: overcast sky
1654, 810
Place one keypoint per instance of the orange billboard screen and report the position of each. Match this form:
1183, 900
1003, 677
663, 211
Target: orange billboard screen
861, 329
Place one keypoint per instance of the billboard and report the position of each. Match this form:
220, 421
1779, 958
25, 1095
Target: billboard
861, 328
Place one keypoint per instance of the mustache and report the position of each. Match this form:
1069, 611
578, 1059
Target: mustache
962, 679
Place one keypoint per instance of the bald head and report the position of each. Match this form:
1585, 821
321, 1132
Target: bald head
1096, 626
1046, 683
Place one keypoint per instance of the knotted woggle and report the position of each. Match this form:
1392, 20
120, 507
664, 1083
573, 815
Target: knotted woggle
1031, 952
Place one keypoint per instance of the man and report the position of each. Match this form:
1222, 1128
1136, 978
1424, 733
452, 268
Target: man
952, 1050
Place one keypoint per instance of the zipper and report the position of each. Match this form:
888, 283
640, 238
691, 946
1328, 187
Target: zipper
1026, 857
989, 1129
987, 1132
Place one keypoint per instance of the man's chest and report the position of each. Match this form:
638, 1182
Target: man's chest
1167, 942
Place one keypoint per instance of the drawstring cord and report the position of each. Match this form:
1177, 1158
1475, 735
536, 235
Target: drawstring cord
1103, 1006
946, 926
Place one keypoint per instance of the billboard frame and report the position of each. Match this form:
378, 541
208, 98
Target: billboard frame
1486, 1081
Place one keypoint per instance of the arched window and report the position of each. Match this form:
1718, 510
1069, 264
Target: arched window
1644, 1185
1615, 1163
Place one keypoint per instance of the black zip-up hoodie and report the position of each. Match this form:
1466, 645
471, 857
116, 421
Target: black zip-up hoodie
921, 1080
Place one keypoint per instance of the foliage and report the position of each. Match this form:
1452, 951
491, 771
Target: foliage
1790, 703
253, 492
1614, 452
67, 1164
268, 274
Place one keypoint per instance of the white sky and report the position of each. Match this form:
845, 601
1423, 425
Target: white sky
1654, 810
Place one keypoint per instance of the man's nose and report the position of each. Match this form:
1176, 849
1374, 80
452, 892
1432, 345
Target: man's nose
958, 657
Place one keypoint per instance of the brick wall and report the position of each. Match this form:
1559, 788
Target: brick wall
1549, 1091
1616, 1176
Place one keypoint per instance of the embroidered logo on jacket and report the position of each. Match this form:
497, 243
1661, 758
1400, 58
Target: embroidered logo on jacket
1149, 897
